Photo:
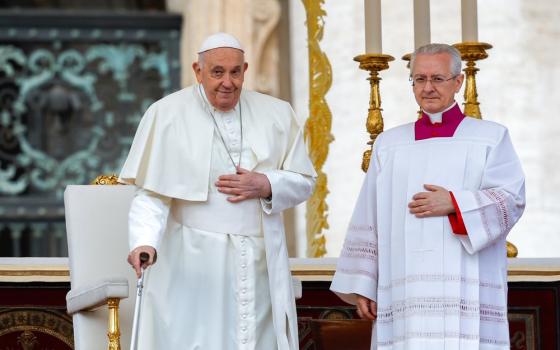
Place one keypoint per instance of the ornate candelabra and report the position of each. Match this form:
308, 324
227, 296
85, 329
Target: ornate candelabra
471, 52
374, 63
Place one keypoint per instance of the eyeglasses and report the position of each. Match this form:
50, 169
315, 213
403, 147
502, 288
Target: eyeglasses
436, 80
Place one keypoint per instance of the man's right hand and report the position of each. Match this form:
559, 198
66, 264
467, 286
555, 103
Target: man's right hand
134, 257
367, 309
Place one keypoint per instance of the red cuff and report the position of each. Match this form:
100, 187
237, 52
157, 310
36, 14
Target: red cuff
456, 219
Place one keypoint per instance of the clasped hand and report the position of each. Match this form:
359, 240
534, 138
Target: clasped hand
436, 202
244, 185
134, 258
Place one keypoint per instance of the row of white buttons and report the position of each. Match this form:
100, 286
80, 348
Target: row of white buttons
233, 131
243, 297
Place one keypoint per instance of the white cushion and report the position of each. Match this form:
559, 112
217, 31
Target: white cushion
88, 298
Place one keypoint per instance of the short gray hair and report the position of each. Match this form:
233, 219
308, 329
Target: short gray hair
434, 49
201, 59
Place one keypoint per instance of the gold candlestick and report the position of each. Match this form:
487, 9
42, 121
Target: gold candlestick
374, 63
471, 52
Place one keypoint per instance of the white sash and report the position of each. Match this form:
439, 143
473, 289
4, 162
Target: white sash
218, 215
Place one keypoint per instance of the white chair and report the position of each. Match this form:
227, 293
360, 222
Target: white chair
97, 229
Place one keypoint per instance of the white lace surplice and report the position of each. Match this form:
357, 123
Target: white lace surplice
435, 289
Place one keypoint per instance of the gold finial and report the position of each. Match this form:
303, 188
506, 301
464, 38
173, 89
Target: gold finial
511, 250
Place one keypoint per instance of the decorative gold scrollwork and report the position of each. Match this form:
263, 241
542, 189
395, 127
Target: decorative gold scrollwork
106, 180
318, 126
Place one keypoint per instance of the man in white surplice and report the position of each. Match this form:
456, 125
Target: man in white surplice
215, 166
425, 251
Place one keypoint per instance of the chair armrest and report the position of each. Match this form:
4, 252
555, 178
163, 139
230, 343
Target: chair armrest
89, 297
297, 287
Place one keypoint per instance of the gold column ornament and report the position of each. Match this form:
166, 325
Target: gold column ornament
114, 332
374, 63
318, 127
471, 52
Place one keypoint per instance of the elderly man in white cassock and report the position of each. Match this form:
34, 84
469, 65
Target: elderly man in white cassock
425, 251
215, 165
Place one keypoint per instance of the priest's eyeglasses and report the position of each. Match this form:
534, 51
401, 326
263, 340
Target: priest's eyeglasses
436, 80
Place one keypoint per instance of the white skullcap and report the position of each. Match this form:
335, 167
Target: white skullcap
217, 40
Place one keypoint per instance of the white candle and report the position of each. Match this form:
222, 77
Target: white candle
373, 25
469, 20
421, 23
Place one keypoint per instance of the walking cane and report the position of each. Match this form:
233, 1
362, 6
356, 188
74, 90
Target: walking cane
144, 257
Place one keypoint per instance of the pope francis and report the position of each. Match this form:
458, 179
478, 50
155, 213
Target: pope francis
215, 165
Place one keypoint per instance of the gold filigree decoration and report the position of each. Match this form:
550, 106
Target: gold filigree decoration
106, 180
318, 126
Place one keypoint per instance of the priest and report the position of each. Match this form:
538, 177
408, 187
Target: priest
425, 251
215, 165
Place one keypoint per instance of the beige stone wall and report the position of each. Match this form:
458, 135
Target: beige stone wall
254, 22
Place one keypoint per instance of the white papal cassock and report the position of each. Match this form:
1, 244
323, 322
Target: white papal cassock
435, 289
222, 278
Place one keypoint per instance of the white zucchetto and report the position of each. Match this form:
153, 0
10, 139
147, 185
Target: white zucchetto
218, 40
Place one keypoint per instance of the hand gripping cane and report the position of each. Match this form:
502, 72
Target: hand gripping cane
144, 257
